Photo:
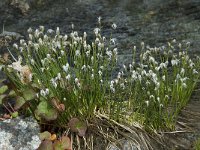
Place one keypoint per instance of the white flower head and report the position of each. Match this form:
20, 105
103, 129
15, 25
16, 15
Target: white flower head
152, 97
41, 28
152, 59
68, 77
97, 40
65, 37
15, 46
184, 85
114, 26
194, 71
50, 31
42, 93
62, 52
92, 58
84, 67
77, 53
99, 19
174, 40
147, 103
163, 77
174, 62
113, 41
100, 73
48, 56
59, 76
30, 30
182, 71
158, 99
112, 89
163, 65
72, 25
122, 85
57, 31
37, 33
87, 53
76, 80
47, 91
115, 52
96, 31
66, 67
109, 53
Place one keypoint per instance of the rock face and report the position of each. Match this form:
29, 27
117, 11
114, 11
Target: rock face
153, 21
22, 5
19, 134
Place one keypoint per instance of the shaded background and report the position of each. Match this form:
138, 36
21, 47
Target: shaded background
153, 21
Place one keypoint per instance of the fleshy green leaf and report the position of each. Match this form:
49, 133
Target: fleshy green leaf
46, 145
62, 144
12, 93
66, 143
14, 114
45, 135
29, 94
57, 145
2, 98
78, 126
19, 102
45, 111
3, 89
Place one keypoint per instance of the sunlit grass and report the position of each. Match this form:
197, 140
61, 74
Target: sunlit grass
71, 78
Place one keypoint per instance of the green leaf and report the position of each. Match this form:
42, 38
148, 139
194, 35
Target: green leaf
3, 89
66, 143
29, 94
46, 145
2, 97
45, 135
14, 114
78, 126
62, 144
57, 145
45, 111
19, 102
12, 93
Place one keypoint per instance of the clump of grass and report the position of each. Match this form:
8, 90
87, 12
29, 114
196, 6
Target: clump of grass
197, 144
62, 77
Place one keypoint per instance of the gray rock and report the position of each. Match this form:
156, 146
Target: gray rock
19, 134
126, 145
12, 35
21, 4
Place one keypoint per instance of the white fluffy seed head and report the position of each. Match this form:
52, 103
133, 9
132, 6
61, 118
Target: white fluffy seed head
114, 26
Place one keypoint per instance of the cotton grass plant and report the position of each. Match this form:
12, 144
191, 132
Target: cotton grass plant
69, 77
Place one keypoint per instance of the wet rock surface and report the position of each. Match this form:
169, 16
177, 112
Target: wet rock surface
19, 134
155, 21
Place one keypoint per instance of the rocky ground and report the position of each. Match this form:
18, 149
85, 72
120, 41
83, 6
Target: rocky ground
153, 21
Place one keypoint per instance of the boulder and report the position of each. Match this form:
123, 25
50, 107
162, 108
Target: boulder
22, 5
19, 134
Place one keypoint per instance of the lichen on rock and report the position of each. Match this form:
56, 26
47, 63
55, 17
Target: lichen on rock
19, 134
